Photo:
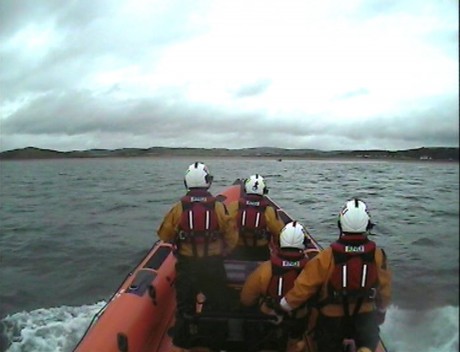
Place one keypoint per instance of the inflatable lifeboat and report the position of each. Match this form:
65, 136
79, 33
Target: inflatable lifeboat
140, 314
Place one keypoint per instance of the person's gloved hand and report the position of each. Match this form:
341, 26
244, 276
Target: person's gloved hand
278, 317
284, 305
273, 312
380, 316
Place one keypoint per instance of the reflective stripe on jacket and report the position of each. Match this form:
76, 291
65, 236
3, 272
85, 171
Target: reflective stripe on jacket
169, 232
272, 278
273, 223
315, 276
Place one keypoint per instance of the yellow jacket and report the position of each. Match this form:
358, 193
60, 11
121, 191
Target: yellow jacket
315, 276
256, 287
273, 222
256, 284
168, 232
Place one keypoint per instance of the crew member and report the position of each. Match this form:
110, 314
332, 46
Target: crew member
204, 232
257, 221
353, 281
266, 285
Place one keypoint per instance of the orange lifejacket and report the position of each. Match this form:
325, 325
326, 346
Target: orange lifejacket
251, 219
198, 223
286, 266
354, 278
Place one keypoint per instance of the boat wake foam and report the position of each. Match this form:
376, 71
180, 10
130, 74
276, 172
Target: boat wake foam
45, 330
59, 329
434, 330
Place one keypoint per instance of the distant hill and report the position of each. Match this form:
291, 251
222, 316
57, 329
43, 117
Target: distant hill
426, 154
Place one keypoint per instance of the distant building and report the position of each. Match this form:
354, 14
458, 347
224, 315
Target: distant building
425, 157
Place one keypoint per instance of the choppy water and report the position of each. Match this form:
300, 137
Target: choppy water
70, 230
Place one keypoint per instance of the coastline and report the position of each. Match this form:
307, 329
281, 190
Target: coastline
201, 157
439, 154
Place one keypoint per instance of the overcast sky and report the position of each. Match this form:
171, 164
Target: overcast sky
330, 74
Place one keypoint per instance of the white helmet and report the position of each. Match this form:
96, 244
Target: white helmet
197, 176
354, 217
293, 235
255, 184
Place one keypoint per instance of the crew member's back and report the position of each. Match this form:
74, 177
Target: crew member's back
257, 221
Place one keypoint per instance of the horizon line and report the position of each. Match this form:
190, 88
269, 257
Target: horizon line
225, 148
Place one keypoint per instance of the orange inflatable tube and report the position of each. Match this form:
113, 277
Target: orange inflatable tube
141, 311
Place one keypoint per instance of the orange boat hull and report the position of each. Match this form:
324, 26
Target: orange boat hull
139, 315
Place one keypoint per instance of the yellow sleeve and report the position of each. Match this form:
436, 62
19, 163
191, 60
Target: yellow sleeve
310, 279
233, 209
227, 226
274, 223
168, 228
255, 285
385, 280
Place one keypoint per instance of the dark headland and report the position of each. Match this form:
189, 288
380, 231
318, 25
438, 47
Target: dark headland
423, 154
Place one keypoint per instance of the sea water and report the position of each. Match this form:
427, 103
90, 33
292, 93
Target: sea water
70, 231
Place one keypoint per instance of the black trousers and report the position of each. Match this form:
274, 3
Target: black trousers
331, 331
194, 275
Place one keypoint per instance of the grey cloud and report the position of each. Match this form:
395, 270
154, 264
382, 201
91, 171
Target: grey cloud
354, 93
78, 112
91, 35
75, 15
253, 89
446, 40
443, 34
170, 121
436, 124
81, 112
15, 14
379, 6
371, 9
19, 13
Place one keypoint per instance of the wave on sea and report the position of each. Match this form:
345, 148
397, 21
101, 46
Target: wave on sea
434, 330
46, 330
59, 329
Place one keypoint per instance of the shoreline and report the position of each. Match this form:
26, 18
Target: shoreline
438, 154
241, 157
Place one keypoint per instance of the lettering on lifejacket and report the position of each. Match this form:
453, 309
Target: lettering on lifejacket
292, 264
198, 199
284, 272
251, 220
198, 223
354, 249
